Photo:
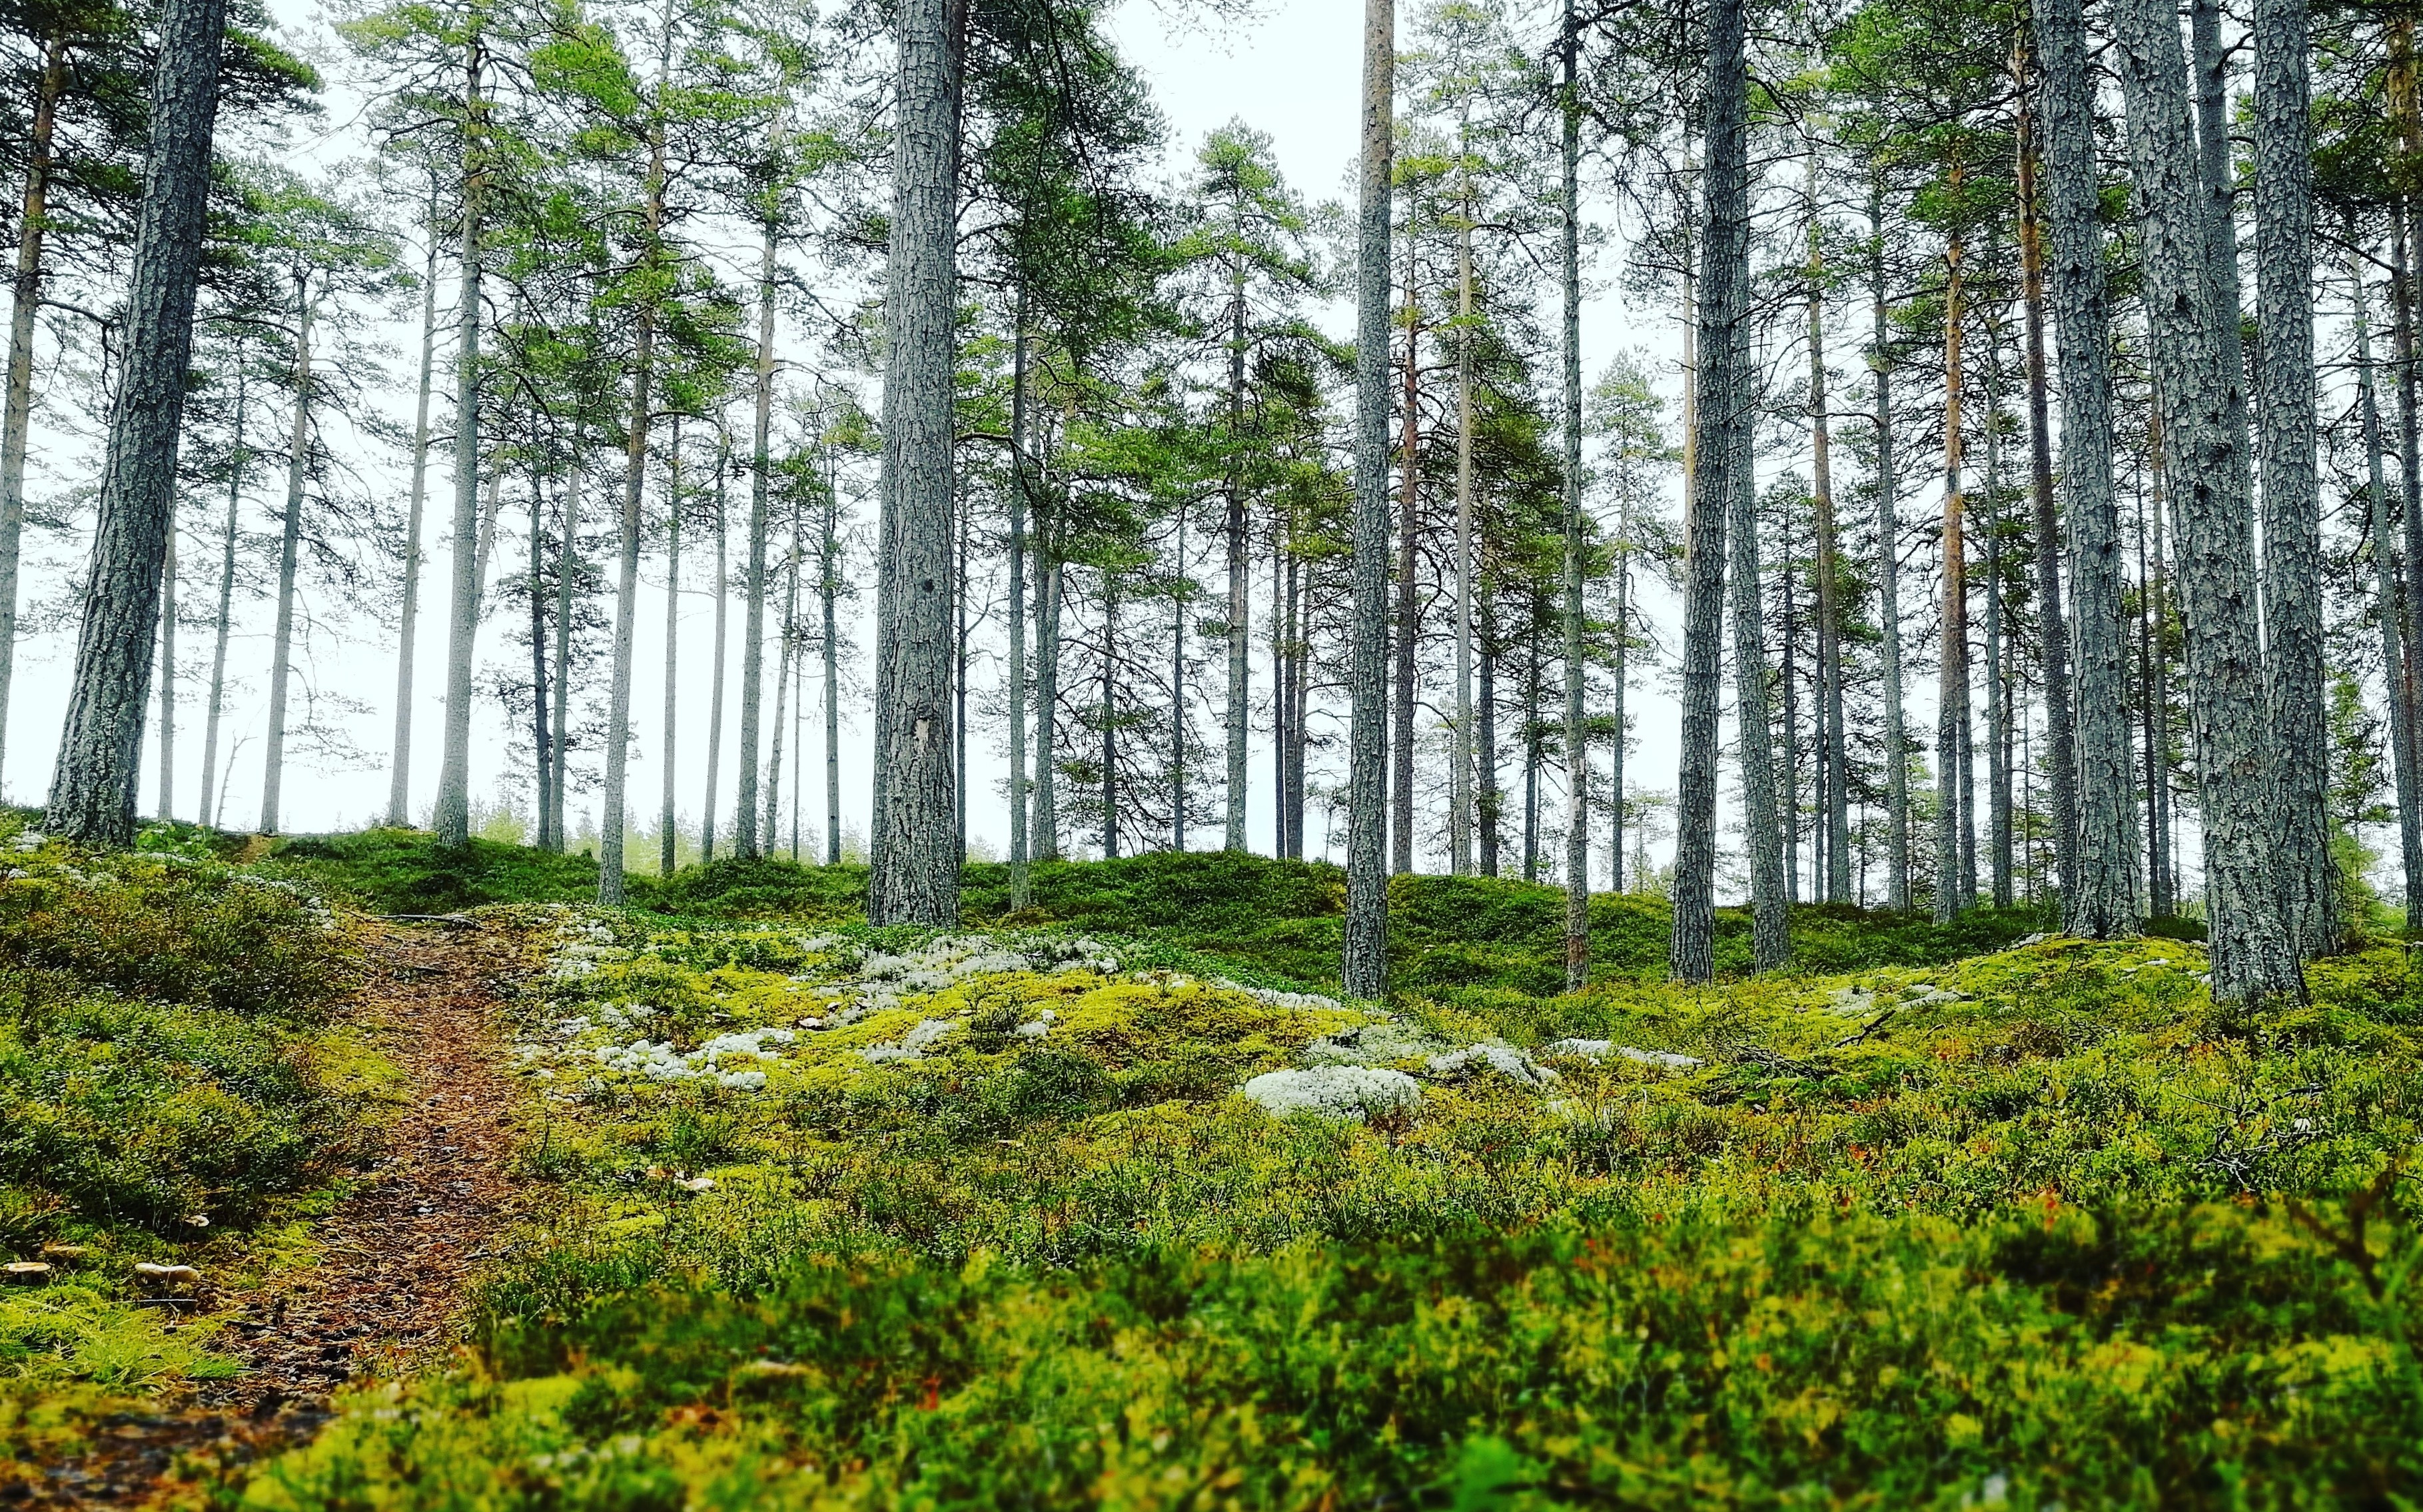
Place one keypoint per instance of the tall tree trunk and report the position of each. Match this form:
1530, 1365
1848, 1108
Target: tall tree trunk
542, 737
208, 811
1888, 577
1834, 808
666, 837
26, 296
2292, 507
1282, 682
959, 680
1110, 723
1998, 690
915, 874
827, 600
566, 568
1720, 487
1787, 692
451, 818
784, 675
1365, 958
2253, 954
1460, 779
723, 615
2094, 813
298, 472
2408, 109
1238, 613
1576, 667
169, 677
1534, 753
1617, 714
1952, 688
100, 748
1491, 799
634, 475
1021, 883
2388, 594
1045, 822
752, 630
399, 794
2161, 896
1408, 614
1178, 697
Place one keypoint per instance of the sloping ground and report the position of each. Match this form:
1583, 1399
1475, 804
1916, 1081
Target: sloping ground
833, 1217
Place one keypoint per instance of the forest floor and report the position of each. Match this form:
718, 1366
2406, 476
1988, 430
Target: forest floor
384, 1298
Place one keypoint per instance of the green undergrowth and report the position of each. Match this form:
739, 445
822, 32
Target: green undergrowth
825, 1216
173, 1091
1449, 936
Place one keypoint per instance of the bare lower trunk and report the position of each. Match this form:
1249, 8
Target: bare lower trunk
1239, 614
167, 812
25, 304
722, 616
1492, 801
1365, 965
752, 633
915, 874
2253, 954
1020, 884
101, 746
567, 567
208, 809
1577, 732
2389, 596
1044, 840
1834, 812
1952, 688
626, 588
665, 817
1459, 777
399, 794
298, 471
452, 818
2292, 511
828, 599
1408, 629
1888, 581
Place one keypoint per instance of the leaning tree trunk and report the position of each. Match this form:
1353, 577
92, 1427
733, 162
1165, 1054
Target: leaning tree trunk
26, 304
2253, 954
1888, 580
1364, 956
298, 472
915, 875
452, 815
205, 811
100, 748
399, 791
1722, 409
1577, 669
2388, 598
2292, 507
746, 840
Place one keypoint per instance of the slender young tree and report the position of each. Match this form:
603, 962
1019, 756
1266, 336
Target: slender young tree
1577, 727
746, 840
915, 875
399, 792
1365, 965
2388, 605
1888, 570
26, 296
298, 473
100, 748
2194, 380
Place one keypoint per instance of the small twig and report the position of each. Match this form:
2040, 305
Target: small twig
1870, 1028
458, 921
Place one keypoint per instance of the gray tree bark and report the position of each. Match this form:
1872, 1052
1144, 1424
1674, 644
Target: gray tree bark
915, 875
1364, 958
541, 735
101, 746
298, 472
665, 820
829, 601
1576, 667
1835, 807
399, 792
723, 623
2095, 811
1952, 874
25, 295
567, 567
1889, 577
451, 818
1408, 618
2292, 506
207, 810
1239, 610
1722, 409
1461, 751
2253, 954
168, 810
746, 842
2389, 596
1020, 868
1044, 824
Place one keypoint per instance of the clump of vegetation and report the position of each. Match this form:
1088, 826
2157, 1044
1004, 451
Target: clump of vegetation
170, 1082
831, 1216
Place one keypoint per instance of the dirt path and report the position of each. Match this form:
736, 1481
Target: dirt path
387, 1293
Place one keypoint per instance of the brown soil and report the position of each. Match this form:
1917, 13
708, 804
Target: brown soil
387, 1294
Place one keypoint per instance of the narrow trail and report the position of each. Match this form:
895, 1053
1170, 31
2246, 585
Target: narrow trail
386, 1293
